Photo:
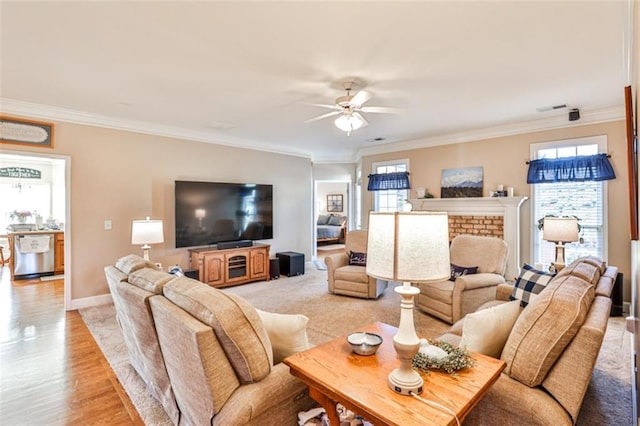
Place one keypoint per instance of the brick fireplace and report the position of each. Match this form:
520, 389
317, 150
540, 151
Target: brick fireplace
483, 216
484, 226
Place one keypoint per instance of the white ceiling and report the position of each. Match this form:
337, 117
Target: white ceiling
246, 73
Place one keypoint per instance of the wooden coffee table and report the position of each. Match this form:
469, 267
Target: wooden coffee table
335, 374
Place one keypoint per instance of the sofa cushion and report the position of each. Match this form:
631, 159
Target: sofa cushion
486, 330
150, 279
351, 273
131, 263
457, 271
585, 270
287, 333
234, 321
529, 283
595, 261
357, 259
545, 327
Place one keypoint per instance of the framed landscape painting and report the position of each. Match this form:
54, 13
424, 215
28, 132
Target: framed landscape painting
464, 182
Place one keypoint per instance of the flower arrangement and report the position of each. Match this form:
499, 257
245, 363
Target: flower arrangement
20, 215
455, 359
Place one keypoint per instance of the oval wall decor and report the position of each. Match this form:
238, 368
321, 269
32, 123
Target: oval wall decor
26, 132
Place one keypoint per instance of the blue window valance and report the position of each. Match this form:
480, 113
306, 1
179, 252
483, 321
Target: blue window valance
582, 168
386, 181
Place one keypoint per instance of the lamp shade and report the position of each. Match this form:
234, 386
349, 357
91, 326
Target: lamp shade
147, 231
560, 229
201, 213
408, 246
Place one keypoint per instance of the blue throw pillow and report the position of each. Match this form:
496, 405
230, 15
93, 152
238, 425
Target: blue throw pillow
323, 219
530, 282
336, 220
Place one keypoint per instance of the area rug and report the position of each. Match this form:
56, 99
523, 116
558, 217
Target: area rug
607, 401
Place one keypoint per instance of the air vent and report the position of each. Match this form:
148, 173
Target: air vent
551, 108
378, 139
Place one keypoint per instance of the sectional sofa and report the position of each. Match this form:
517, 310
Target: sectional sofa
550, 346
207, 356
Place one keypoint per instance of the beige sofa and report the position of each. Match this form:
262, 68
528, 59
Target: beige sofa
205, 354
551, 350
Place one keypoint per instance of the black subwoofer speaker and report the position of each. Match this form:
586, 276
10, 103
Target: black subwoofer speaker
192, 273
617, 307
291, 263
274, 269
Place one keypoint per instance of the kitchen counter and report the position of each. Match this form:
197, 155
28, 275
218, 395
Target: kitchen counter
40, 232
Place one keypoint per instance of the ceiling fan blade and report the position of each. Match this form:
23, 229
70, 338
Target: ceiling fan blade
320, 117
327, 106
361, 117
360, 98
384, 110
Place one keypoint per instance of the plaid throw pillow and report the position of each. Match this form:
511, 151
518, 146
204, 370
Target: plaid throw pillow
529, 284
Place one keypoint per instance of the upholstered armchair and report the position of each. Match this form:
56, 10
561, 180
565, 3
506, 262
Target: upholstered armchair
452, 300
352, 280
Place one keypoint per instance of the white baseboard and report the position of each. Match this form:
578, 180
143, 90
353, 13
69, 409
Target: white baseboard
87, 302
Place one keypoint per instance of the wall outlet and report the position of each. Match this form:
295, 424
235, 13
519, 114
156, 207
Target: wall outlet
107, 225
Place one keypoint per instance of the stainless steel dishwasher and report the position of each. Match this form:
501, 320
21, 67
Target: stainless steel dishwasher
33, 255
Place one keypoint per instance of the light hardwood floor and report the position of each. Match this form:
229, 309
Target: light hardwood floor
52, 372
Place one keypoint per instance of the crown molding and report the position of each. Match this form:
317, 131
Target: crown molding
551, 123
47, 112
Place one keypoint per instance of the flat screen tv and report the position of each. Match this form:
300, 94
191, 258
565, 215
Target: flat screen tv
212, 212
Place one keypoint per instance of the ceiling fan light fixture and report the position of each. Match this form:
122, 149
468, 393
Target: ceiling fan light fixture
348, 122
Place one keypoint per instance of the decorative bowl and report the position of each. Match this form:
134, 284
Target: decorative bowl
364, 343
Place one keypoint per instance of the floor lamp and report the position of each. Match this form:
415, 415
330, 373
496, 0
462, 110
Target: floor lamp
146, 232
408, 247
560, 230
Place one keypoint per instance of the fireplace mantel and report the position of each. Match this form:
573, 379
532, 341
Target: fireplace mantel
508, 207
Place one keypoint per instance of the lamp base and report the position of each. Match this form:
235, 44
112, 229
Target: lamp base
559, 263
404, 379
404, 384
145, 252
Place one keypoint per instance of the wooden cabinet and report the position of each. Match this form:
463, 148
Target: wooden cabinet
58, 252
222, 268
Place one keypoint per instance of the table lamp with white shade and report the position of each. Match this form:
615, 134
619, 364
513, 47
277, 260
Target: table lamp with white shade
560, 230
147, 232
408, 247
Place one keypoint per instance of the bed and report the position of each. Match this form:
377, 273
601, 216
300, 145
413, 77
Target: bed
331, 228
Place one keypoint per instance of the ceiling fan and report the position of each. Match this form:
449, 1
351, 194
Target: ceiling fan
349, 109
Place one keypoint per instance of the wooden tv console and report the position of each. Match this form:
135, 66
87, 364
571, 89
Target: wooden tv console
227, 267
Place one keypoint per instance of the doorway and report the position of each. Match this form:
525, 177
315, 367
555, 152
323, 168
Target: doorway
332, 199
34, 192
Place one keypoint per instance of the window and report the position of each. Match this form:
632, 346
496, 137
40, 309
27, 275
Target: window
585, 200
33, 197
390, 200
